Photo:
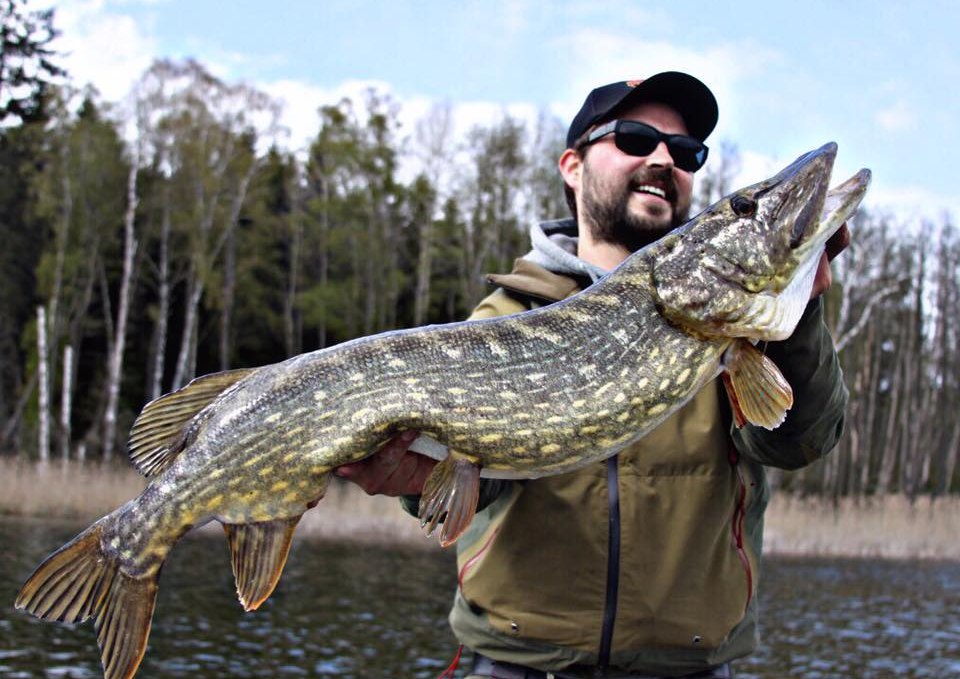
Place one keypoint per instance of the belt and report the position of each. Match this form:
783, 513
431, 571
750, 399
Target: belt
497, 669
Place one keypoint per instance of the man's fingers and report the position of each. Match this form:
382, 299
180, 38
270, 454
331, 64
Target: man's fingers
383, 472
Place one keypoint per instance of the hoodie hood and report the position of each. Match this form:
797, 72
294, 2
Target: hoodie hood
555, 249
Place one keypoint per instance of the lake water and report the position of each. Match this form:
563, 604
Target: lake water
348, 610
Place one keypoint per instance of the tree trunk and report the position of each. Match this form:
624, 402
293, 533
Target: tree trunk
66, 402
115, 366
163, 308
43, 430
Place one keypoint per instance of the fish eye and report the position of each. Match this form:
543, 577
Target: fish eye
743, 206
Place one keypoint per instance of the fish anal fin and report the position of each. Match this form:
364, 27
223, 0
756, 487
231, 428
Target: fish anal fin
159, 432
80, 581
758, 391
258, 552
450, 495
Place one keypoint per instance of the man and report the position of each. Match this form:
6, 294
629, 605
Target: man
647, 564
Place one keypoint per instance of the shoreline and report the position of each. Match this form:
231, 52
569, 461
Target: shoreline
890, 527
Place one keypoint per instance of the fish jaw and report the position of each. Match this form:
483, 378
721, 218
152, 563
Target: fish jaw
745, 267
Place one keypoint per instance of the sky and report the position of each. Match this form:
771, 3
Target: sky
880, 77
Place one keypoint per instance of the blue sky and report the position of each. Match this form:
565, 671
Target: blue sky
880, 78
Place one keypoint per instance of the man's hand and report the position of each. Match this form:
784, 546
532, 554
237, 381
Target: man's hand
392, 470
838, 243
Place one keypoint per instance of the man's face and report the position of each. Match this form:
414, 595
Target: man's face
632, 201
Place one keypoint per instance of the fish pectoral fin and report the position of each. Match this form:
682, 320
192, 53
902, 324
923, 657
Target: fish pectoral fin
450, 496
158, 434
258, 552
758, 391
80, 581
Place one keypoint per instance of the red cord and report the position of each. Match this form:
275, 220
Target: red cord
451, 670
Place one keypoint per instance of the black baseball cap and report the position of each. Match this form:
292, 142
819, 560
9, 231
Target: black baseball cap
691, 98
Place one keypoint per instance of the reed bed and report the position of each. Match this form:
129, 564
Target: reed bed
889, 527
84, 493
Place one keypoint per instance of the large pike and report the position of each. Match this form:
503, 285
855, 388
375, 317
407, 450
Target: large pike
522, 396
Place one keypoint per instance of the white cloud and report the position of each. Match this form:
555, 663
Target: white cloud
103, 48
898, 117
598, 57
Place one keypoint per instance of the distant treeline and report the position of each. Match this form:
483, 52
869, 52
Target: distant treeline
145, 248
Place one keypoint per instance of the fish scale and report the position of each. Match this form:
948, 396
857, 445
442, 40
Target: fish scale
522, 396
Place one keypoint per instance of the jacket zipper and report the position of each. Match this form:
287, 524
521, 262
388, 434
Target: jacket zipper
613, 561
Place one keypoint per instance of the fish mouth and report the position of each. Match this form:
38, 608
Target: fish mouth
797, 193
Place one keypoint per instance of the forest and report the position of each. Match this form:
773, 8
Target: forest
175, 234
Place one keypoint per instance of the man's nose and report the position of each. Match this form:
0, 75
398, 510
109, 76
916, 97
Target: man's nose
660, 156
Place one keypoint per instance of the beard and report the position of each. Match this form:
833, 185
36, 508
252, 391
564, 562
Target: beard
607, 211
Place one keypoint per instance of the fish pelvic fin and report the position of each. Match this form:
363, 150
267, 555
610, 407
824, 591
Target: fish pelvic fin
258, 552
80, 581
758, 391
450, 496
160, 431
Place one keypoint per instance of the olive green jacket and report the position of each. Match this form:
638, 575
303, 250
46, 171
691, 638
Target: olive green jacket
649, 562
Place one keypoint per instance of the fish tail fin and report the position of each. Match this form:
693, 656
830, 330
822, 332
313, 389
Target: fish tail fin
81, 581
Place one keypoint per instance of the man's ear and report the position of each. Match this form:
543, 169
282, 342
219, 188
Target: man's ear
571, 167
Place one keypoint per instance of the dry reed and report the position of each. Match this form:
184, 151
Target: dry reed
876, 527
83, 493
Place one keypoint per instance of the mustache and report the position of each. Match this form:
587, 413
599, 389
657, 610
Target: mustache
662, 178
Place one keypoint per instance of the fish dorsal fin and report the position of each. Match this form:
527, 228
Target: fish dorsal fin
258, 552
758, 392
159, 432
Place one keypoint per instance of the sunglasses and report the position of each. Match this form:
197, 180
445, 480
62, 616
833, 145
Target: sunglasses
639, 139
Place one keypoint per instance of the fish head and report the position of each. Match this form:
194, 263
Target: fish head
745, 266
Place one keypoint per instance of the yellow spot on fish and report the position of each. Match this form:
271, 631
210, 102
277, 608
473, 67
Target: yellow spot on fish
356, 377
214, 502
266, 471
278, 486
599, 392
579, 403
682, 377
620, 398
654, 353
643, 383
491, 438
554, 419
524, 432
397, 363
520, 450
456, 391
550, 448
624, 416
216, 473
589, 429
360, 414
657, 409
273, 418
319, 395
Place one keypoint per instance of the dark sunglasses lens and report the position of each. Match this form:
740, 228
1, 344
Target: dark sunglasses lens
688, 153
636, 140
